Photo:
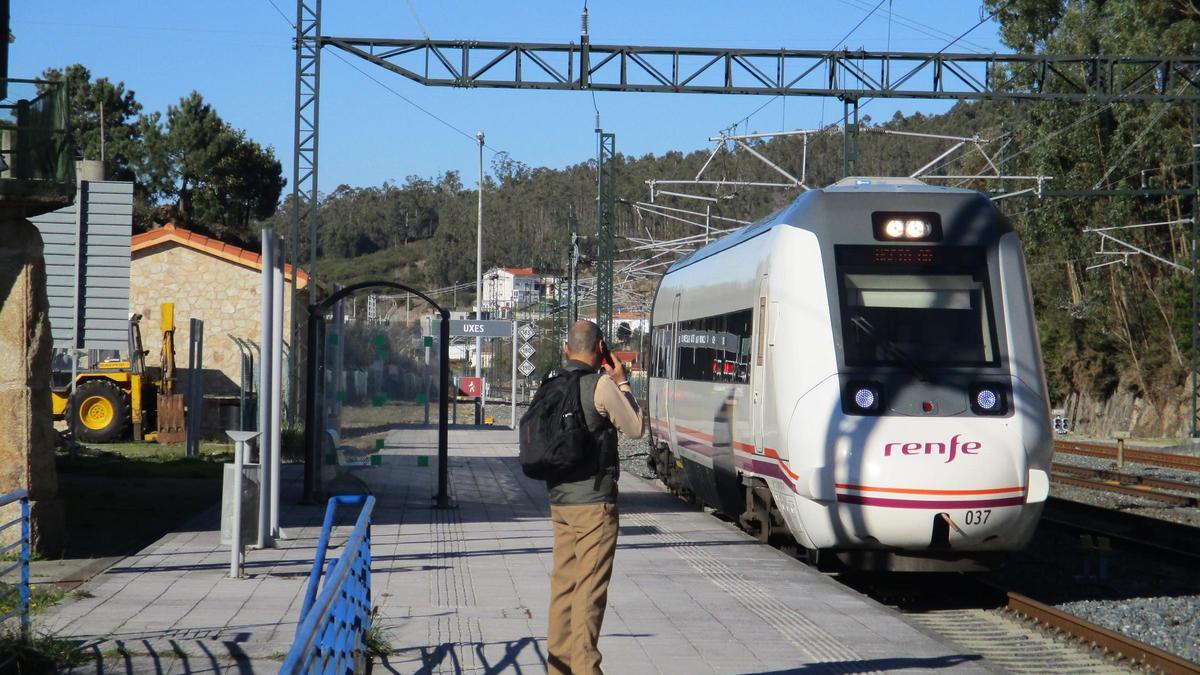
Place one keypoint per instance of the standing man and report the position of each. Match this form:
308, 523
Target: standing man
584, 512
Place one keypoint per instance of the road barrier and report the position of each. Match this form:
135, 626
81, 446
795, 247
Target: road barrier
21, 590
336, 615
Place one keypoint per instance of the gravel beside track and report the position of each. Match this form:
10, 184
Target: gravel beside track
1155, 601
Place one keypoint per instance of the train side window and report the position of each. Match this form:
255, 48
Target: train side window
714, 348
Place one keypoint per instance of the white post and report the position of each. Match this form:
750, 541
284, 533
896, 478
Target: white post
479, 277
235, 528
479, 263
512, 417
266, 388
276, 388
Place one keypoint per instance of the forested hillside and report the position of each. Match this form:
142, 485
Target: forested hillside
1115, 333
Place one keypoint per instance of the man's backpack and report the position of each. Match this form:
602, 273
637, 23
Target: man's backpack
555, 442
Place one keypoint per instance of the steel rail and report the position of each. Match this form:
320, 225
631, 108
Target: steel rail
1102, 486
1127, 478
1110, 641
1163, 459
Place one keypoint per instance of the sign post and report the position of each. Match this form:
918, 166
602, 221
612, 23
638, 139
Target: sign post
512, 412
491, 328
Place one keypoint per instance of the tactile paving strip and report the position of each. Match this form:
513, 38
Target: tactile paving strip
791, 624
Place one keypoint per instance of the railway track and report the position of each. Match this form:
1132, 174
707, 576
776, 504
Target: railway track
1157, 489
1013, 631
1167, 460
1110, 642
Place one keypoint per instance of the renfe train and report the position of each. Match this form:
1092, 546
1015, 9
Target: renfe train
858, 372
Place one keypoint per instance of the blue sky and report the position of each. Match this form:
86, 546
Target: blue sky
237, 53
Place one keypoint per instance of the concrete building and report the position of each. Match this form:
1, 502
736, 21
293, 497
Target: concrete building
506, 289
206, 279
509, 288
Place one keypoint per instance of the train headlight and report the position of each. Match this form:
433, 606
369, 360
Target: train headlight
862, 398
989, 399
906, 226
917, 229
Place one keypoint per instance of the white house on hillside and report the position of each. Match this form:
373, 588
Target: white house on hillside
509, 288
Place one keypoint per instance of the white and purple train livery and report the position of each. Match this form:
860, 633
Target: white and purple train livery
859, 372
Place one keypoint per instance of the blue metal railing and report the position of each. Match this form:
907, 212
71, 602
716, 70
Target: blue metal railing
21, 590
334, 620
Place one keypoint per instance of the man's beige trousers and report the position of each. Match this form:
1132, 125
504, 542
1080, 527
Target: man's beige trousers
585, 541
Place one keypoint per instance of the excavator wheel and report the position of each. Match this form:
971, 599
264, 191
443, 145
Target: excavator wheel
99, 411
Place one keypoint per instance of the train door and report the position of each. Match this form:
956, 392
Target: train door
758, 366
672, 355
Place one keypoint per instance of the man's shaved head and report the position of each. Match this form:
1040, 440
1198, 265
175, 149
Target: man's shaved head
583, 340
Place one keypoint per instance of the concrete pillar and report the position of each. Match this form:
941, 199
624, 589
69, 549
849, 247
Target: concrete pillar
26, 429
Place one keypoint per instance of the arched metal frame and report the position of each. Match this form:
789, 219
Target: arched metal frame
314, 389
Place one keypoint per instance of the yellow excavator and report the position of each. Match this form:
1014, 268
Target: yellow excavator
116, 396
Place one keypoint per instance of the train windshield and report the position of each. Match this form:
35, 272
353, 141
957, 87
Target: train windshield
905, 306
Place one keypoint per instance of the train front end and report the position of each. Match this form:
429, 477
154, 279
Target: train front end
935, 434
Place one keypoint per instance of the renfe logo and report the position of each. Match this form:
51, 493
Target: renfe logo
951, 449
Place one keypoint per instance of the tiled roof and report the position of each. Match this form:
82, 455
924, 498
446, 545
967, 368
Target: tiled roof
236, 254
519, 271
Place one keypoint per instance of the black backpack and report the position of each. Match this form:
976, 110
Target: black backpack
555, 442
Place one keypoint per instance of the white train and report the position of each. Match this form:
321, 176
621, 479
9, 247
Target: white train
860, 373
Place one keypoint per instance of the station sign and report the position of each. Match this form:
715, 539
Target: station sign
483, 329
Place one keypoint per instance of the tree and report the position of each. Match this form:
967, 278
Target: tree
244, 186
206, 174
118, 141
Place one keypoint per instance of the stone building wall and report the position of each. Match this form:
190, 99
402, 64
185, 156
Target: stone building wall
26, 430
226, 295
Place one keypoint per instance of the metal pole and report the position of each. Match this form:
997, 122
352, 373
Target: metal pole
573, 262
276, 386
443, 496
312, 441
196, 386
235, 528
850, 136
428, 348
25, 535
266, 388
1195, 267
512, 416
479, 279
479, 262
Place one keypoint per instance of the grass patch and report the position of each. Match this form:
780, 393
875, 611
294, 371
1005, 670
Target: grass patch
147, 460
291, 445
40, 653
41, 596
15, 555
375, 639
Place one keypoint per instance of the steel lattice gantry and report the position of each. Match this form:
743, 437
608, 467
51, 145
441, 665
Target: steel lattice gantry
304, 165
847, 75
780, 72
605, 243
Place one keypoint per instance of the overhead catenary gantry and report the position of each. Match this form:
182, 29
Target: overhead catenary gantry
850, 76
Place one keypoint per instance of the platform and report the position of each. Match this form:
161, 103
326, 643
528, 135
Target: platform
465, 590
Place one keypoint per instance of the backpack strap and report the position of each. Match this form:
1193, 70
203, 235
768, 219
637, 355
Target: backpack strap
600, 449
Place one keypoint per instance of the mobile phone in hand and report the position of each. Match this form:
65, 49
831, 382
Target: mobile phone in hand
606, 356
